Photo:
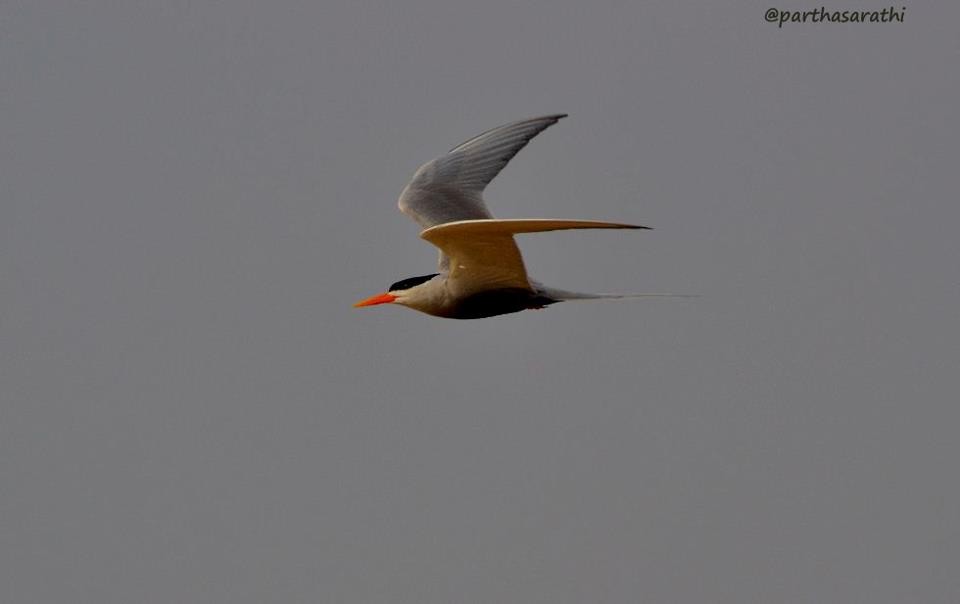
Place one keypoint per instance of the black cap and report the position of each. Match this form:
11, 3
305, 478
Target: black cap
410, 282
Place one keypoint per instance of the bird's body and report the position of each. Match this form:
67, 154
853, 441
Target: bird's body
436, 299
481, 272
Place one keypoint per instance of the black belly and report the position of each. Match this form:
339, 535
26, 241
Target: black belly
498, 302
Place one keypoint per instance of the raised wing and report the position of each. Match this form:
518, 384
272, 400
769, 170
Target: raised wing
450, 188
482, 255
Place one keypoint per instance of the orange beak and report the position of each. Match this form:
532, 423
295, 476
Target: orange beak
378, 299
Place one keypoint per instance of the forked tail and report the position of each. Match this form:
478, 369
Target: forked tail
561, 295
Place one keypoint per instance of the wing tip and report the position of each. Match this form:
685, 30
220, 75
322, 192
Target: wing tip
623, 225
553, 118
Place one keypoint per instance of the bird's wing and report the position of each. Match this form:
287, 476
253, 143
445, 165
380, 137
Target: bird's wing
450, 187
472, 228
482, 255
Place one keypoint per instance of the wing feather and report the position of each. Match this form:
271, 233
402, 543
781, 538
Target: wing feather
450, 187
478, 255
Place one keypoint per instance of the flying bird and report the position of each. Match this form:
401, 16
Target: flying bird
481, 272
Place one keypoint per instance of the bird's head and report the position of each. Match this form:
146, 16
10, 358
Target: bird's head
412, 292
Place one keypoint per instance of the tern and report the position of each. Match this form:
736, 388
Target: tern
481, 272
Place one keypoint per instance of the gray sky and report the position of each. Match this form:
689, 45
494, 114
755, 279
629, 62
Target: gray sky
194, 194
